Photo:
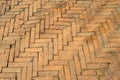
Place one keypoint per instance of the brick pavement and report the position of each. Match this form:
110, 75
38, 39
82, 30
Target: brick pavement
59, 39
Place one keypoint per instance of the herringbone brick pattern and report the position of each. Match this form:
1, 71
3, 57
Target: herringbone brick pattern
59, 39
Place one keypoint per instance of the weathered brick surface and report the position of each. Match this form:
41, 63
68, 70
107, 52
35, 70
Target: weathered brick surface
59, 40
